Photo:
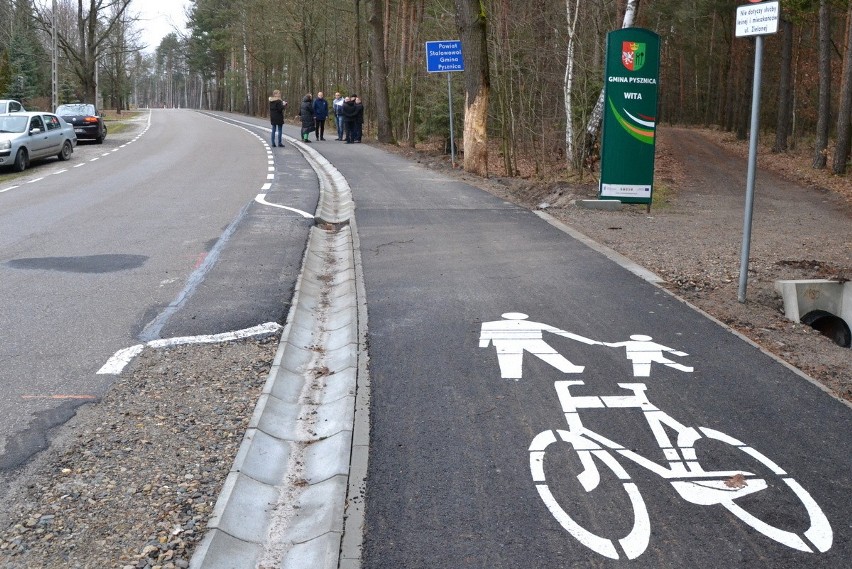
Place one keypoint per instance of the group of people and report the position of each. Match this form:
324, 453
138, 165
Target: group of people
313, 113
349, 116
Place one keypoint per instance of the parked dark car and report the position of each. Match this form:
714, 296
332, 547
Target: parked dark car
87, 121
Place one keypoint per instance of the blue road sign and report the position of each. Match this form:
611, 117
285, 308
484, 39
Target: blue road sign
443, 56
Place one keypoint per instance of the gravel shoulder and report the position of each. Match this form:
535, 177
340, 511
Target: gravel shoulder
131, 481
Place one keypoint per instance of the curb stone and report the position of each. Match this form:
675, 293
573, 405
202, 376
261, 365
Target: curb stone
284, 502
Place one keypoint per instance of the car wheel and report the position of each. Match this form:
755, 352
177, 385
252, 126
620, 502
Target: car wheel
100, 139
66, 151
22, 160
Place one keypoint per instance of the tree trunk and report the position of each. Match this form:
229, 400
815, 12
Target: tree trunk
824, 105
568, 84
357, 57
785, 91
470, 16
844, 113
594, 125
380, 75
744, 96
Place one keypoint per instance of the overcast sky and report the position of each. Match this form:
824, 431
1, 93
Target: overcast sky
159, 18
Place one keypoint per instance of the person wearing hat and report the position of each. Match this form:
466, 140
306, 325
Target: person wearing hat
306, 113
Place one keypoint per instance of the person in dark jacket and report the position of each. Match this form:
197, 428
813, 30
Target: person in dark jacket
306, 113
276, 116
349, 112
359, 120
320, 114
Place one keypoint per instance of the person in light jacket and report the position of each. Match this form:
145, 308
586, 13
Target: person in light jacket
337, 107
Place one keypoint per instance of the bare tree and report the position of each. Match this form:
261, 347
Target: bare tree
594, 124
824, 106
571, 14
380, 91
785, 90
95, 23
844, 114
471, 21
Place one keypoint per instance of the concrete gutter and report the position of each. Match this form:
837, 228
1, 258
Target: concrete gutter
804, 296
294, 495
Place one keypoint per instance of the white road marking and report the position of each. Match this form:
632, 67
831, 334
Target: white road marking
261, 199
9, 188
116, 364
515, 335
266, 187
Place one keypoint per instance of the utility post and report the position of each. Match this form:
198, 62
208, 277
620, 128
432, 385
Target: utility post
54, 63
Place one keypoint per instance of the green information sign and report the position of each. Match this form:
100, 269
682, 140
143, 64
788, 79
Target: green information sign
630, 111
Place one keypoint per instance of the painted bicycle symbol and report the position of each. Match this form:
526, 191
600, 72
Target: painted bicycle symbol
600, 456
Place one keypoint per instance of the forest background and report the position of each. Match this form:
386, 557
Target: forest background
524, 104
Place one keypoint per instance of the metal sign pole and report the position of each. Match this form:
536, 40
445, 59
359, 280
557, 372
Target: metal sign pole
756, 19
445, 56
752, 169
452, 131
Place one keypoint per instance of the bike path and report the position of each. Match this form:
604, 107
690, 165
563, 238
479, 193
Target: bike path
449, 480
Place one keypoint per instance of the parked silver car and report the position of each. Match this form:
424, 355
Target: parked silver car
30, 136
10, 106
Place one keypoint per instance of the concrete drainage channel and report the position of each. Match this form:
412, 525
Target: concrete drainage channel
823, 305
294, 495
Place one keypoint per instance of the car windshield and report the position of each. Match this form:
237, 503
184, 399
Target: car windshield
79, 109
13, 123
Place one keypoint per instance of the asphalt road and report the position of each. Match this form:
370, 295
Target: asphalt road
480, 314
137, 239
452, 480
